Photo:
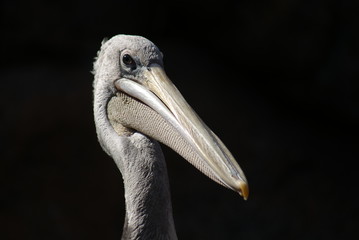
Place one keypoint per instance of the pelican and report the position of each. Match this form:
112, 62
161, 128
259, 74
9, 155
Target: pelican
136, 106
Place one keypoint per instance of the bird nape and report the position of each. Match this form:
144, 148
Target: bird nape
136, 105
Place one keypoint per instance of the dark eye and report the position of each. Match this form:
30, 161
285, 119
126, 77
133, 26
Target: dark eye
128, 61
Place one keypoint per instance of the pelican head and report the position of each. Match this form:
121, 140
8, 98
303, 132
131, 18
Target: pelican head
141, 98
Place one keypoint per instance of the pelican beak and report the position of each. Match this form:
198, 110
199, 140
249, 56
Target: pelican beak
157, 91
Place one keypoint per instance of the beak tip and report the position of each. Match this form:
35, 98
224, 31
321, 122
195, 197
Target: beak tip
243, 189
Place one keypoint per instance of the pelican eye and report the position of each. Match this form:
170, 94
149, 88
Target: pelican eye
128, 61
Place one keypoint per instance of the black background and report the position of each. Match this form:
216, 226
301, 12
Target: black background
276, 80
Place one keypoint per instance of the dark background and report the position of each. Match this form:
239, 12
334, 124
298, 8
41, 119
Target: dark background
276, 80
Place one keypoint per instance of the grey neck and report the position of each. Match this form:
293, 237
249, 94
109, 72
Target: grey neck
147, 192
144, 172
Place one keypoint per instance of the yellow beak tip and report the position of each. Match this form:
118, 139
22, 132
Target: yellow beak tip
243, 189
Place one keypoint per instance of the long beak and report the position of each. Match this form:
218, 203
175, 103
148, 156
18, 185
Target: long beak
157, 91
